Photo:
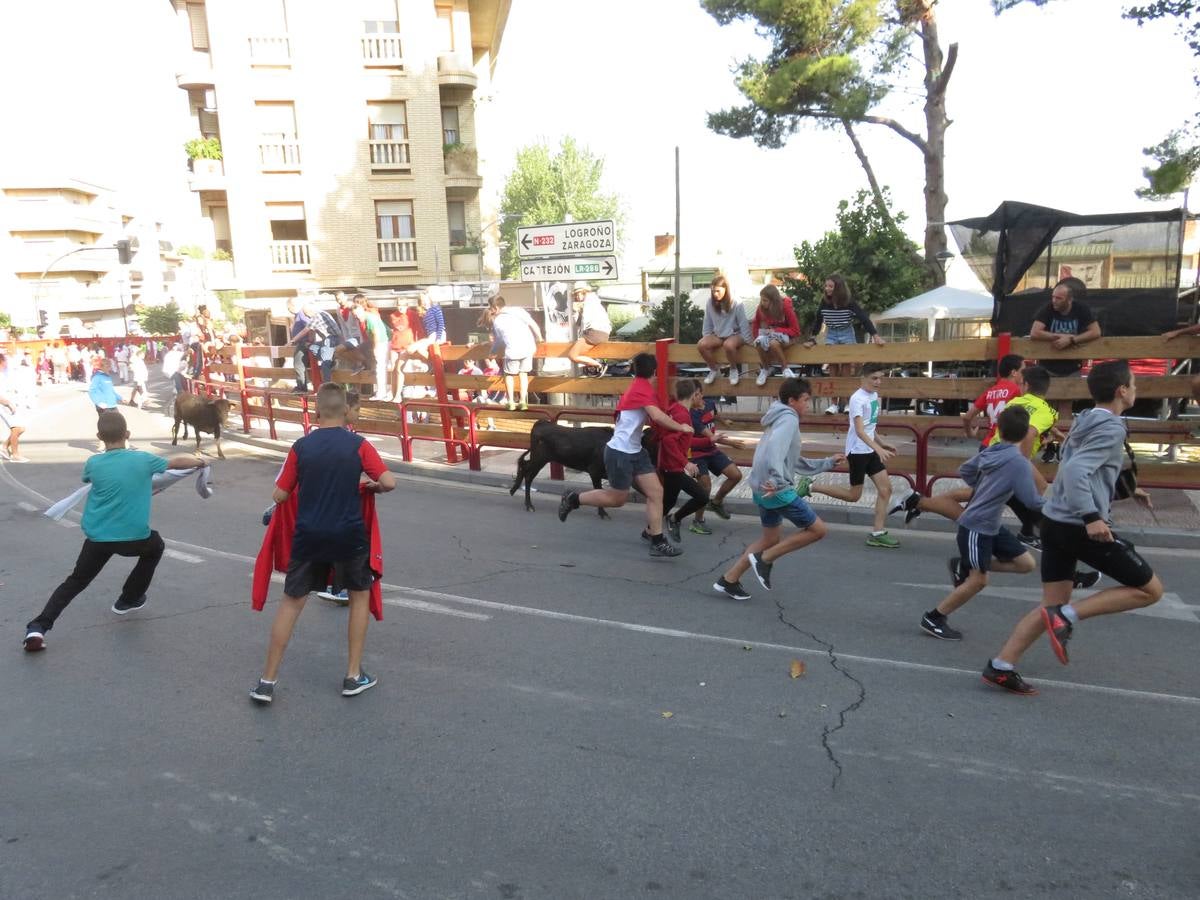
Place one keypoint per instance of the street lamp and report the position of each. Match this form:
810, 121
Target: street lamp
944, 258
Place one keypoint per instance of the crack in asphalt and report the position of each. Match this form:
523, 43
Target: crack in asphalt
462, 547
826, 730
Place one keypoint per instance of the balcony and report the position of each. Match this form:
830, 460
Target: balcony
455, 72
389, 156
397, 253
464, 261
382, 51
462, 171
270, 50
290, 256
207, 175
197, 74
279, 156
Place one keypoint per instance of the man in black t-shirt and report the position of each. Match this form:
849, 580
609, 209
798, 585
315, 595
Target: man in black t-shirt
1065, 322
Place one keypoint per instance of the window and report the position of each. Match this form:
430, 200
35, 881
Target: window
277, 145
379, 17
450, 132
287, 221
198, 24
456, 212
396, 232
387, 135
265, 16
445, 28
381, 34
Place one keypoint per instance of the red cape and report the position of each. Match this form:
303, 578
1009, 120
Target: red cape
276, 551
640, 394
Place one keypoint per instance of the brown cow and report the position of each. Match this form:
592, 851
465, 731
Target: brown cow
203, 414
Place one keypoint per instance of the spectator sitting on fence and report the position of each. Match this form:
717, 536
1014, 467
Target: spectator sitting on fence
594, 327
774, 328
725, 328
401, 339
1065, 322
514, 329
434, 324
376, 343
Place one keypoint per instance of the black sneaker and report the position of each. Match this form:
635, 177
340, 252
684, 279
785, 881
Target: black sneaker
264, 693
352, 687
647, 536
1085, 579
1032, 541
35, 640
762, 570
1058, 629
910, 507
122, 608
665, 548
1008, 679
939, 628
569, 501
672, 528
958, 572
733, 590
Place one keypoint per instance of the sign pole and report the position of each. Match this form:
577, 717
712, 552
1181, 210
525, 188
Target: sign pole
676, 331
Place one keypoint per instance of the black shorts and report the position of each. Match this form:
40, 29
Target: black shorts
864, 466
1064, 545
978, 549
713, 464
307, 575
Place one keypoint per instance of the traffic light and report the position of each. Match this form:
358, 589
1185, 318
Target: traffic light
124, 253
43, 318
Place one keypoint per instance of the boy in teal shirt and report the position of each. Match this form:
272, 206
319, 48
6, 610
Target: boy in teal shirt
116, 521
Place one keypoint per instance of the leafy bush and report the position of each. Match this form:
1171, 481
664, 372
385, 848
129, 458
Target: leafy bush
159, 319
203, 148
662, 321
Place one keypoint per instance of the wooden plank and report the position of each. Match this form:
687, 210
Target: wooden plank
970, 349
1153, 347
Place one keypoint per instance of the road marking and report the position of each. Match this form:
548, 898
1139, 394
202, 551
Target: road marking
28, 507
183, 557
1171, 606
409, 603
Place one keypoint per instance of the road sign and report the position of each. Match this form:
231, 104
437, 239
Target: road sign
565, 238
569, 268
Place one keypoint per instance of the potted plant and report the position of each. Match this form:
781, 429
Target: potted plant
460, 159
205, 156
464, 260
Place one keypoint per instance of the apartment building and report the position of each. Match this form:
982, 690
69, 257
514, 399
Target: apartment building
349, 154
58, 239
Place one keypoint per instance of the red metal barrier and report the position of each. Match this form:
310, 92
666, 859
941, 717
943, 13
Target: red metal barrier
470, 446
662, 349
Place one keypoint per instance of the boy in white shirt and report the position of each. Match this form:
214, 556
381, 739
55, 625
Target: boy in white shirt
866, 456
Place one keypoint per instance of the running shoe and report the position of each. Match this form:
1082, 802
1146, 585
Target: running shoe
718, 506
958, 572
735, 376
1032, 541
665, 549
523, 406
264, 693
711, 376
939, 627
763, 374
1009, 679
731, 589
341, 598
35, 640
832, 409
762, 570
1058, 629
884, 540
787, 372
911, 507
804, 486
1085, 579
122, 608
897, 506
699, 528
511, 407
352, 687
671, 526
569, 501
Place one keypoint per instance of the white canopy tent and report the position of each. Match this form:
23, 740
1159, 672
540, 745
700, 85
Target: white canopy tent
940, 303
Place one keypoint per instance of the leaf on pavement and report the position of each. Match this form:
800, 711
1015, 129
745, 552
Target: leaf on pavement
797, 668
667, 714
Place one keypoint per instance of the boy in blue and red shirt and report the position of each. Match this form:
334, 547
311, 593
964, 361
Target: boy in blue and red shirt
675, 467
325, 468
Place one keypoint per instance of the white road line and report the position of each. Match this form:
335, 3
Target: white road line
28, 507
183, 557
420, 605
1181, 699
1171, 606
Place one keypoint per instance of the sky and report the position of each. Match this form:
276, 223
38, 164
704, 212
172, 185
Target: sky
1049, 105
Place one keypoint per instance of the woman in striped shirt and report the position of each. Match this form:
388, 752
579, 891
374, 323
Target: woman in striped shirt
837, 314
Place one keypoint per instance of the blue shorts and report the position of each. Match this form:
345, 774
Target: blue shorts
841, 335
978, 549
713, 463
798, 512
622, 468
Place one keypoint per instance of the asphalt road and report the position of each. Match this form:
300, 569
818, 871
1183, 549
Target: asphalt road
559, 716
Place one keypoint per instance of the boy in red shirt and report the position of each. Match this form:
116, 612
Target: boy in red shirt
992, 401
675, 467
775, 328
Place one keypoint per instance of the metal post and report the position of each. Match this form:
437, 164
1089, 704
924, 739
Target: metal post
675, 334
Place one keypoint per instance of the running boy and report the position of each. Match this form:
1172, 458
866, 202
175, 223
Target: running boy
867, 456
324, 467
627, 462
777, 461
710, 460
995, 474
992, 401
1075, 527
678, 472
116, 522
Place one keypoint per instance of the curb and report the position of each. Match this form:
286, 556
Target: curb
1159, 538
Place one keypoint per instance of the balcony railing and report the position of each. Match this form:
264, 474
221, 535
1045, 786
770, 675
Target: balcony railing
270, 50
279, 156
289, 256
397, 252
389, 154
382, 50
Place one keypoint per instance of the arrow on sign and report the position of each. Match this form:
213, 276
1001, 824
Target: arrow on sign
525, 241
569, 268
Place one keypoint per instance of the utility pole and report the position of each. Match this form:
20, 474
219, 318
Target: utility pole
676, 332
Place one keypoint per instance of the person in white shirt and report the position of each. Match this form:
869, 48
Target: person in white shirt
139, 374
594, 326
866, 456
173, 365
516, 331
18, 392
121, 355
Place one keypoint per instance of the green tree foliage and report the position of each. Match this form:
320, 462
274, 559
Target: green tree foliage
231, 305
1177, 156
834, 63
874, 258
546, 187
662, 321
159, 319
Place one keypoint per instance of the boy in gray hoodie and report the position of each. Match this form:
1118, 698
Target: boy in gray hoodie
777, 462
995, 474
1076, 528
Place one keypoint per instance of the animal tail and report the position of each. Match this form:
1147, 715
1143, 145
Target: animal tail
521, 460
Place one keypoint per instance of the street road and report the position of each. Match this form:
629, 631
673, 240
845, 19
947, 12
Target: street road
560, 716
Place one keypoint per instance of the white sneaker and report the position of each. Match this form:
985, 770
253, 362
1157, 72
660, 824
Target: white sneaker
711, 376
787, 372
832, 410
735, 375
762, 377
